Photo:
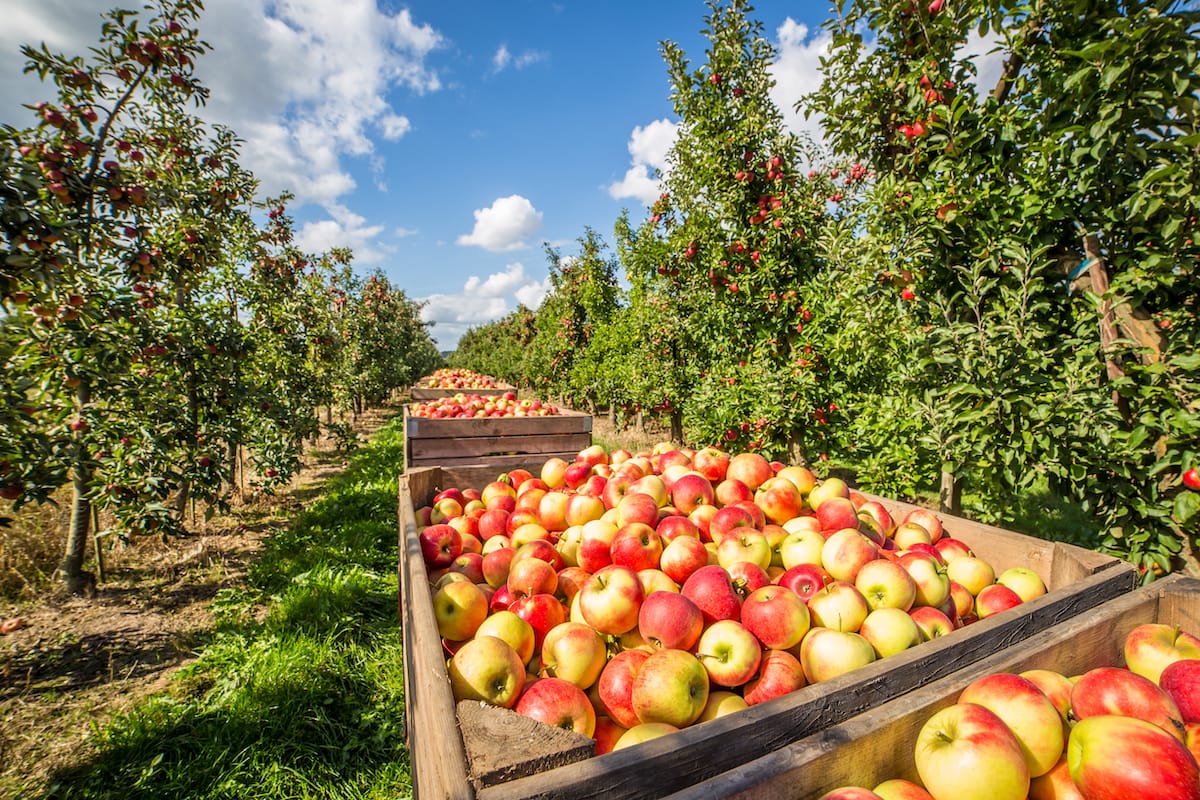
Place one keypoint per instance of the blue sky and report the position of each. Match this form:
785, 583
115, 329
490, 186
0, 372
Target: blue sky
445, 143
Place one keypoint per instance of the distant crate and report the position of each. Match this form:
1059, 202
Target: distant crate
428, 393
500, 443
485, 753
879, 744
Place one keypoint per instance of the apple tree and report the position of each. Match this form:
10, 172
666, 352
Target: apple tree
498, 348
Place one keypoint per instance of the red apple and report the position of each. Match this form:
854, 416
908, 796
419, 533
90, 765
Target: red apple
779, 673
731, 491
615, 685
750, 468
1181, 680
440, 545
1055, 784
776, 616
951, 548
932, 622
901, 789
683, 556
1112, 690
1098, 756
712, 463
711, 589
966, 752
557, 702
1026, 711
805, 580
611, 599
637, 546
845, 552
993, 599
779, 500
926, 519
530, 576
691, 490
1151, 646
670, 621
542, 611
837, 513
673, 526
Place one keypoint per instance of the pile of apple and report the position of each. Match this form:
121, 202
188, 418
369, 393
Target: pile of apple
458, 379
463, 405
1111, 733
626, 596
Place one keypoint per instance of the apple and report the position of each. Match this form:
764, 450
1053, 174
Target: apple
611, 599
966, 752
993, 599
582, 508
683, 556
643, 733
637, 507
440, 545
615, 685
691, 490
839, 606
751, 469
805, 580
607, 733
744, 544
570, 581
615, 488
849, 793
670, 621
1149, 647
932, 622
512, 629
826, 653
964, 601
637, 546
731, 491
542, 611
801, 477
933, 585
1098, 757
779, 500
558, 702
1181, 680
801, 547
576, 474
779, 673
971, 572
901, 789
776, 616
494, 522
746, 577
701, 517
528, 532
729, 653
951, 548
711, 589
926, 519
909, 534
653, 486
553, 472
501, 599
890, 630
1112, 690
670, 686
487, 669
593, 454
470, 565
721, 702
878, 514
530, 576
1055, 784
886, 584
445, 509
845, 552
574, 652
1028, 713
837, 513
498, 495
728, 519
459, 608
655, 580
542, 549
1056, 687
1024, 581
712, 463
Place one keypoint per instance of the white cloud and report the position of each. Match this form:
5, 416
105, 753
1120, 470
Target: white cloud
503, 58
988, 55
344, 229
797, 72
648, 149
482, 300
504, 226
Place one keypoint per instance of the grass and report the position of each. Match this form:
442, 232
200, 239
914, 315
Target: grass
299, 693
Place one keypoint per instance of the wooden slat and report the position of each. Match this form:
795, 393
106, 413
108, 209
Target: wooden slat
878, 745
502, 463
425, 427
429, 393
460, 447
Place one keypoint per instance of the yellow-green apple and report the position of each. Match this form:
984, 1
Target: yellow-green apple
890, 631
607, 734
837, 513
712, 463
611, 599
825, 489
1027, 712
729, 653
1024, 581
568, 545
951, 548
553, 472
826, 653
558, 702
512, 629
877, 512
616, 487
574, 652
570, 581
849, 793
805, 579
459, 608
730, 491
776, 534
670, 621
845, 552
655, 580
583, 508
779, 500
443, 576
972, 572
907, 534
1181, 680
445, 509
529, 532
801, 477
683, 556
496, 543
1055, 784
886, 584
801, 546
966, 752
670, 686
776, 616
530, 576
1056, 687
1113, 690
1100, 757
932, 622
779, 673
901, 789
615, 686
440, 544
637, 507
839, 606
542, 611
744, 544
673, 526
711, 589
749, 468
964, 601
495, 566
721, 702
644, 732
701, 517
993, 599
690, 490
1149, 647
487, 669
933, 585
653, 486
636, 545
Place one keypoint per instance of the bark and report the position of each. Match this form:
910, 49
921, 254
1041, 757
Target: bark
950, 494
70, 573
676, 427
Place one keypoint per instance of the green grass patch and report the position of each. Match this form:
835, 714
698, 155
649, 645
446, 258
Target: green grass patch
304, 701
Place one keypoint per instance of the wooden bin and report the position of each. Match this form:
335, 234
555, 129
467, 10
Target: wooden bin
1078, 580
877, 745
430, 393
498, 442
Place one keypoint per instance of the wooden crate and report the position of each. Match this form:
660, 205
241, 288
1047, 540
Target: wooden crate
1078, 580
429, 393
877, 745
498, 442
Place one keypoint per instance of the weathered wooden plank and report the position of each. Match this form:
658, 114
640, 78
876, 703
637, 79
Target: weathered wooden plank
461, 449
565, 422
497, 463
878, 744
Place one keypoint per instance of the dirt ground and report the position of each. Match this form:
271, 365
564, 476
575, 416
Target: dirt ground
74, 662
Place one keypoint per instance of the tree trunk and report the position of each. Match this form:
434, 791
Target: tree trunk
676, 426
950, 494
70, 570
